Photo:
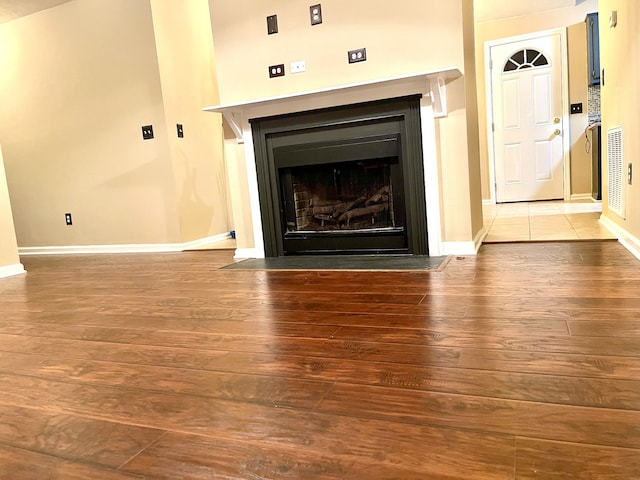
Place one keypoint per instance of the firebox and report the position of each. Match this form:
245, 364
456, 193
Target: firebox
345, 180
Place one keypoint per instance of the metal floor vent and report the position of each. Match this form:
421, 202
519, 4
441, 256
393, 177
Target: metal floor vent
616, 171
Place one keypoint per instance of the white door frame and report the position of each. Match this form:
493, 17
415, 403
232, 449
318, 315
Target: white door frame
566, 134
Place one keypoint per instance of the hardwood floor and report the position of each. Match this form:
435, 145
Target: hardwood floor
520, 363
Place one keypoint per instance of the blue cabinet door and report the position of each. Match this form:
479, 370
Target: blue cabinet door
593, 46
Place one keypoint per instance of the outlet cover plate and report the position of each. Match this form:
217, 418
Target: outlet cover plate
315, 14
576, 108
358, 55
180, 130
276, 70
298, 67
67, 219
147, 132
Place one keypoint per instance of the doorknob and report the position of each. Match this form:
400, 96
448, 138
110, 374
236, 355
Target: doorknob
556, 120
557, 131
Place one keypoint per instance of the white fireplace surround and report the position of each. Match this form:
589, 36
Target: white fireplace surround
431, 84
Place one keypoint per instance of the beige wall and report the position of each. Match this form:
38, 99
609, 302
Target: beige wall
473, 133
8, 244
187, 75
237, 171
78, 81
548, 20
401, 37
620, 58
578, 74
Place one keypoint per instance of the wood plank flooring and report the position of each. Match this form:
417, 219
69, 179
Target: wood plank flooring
520, 363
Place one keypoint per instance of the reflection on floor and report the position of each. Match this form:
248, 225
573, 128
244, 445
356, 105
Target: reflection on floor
550, 220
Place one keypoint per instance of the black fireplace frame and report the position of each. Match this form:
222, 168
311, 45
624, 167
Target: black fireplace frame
369, 125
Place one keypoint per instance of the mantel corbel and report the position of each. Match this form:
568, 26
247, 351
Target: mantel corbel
234, 120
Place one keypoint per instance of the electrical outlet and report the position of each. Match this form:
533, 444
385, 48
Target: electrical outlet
576, 108
358, 55
276, 70
315, 12
298, 67
180, 130
272, 24
67, 219
147, 132
630, 173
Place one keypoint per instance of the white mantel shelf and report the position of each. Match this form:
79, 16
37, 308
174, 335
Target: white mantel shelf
430, 82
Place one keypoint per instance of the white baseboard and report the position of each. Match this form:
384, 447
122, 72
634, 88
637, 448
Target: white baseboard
246, 253
91, 249
125, 248
10, 270
629, 241
201, 242
480, 236
465, 248
582, 196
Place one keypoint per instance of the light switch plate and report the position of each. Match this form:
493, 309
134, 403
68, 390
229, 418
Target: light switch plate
272, 24
147, 132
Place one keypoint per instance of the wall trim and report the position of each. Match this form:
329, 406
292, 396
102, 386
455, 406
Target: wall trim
488, 201
465, 248
629, 241
582, 196
201, 242
127, 248
124, 248
10, 270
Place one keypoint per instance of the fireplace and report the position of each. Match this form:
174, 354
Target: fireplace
343, 180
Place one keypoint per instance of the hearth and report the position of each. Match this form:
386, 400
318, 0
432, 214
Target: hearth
343, 180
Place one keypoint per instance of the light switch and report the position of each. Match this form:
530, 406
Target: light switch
147, 132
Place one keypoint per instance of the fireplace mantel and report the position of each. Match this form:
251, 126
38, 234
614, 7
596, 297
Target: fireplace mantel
430, 82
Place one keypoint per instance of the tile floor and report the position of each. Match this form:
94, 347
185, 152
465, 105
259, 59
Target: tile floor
549, 220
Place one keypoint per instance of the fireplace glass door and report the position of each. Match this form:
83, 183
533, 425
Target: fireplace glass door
342, 196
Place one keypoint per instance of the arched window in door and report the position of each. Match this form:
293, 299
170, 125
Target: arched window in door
525, 58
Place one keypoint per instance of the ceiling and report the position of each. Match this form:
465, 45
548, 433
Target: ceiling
12, 9
485, 10
489, 10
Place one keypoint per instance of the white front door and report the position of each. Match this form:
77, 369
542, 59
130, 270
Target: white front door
526, 91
